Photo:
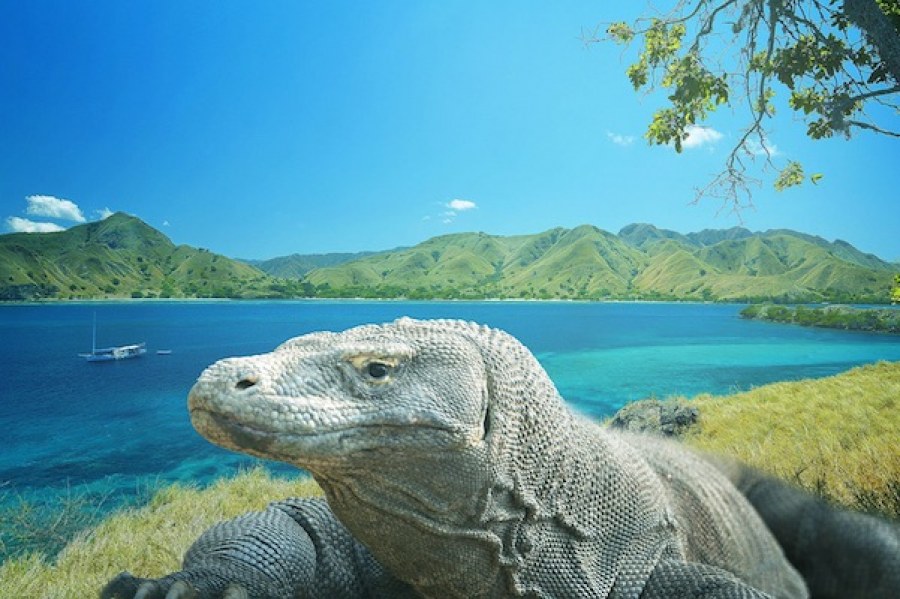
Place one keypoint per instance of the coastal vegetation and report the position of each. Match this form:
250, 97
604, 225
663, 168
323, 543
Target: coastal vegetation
833, 317
835, 437
122, 257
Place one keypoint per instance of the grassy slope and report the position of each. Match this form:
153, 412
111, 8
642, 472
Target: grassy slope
837, 436
297, 265
149, 541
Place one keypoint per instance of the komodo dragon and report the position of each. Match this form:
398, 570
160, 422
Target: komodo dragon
452, 468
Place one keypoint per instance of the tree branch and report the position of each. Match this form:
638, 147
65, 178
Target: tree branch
867, 15
810, 25
708, 23
874, 128
875, 93
732, 185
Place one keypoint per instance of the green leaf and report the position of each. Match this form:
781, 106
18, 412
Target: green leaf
815, 178
790, 176
637, 73
620, 32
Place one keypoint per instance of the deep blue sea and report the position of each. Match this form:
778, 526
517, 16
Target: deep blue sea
113, 428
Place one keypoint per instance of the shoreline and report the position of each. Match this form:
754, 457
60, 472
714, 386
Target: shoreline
512, 300
222, 300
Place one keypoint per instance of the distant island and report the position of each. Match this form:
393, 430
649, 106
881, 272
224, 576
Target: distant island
123, 257
832, 317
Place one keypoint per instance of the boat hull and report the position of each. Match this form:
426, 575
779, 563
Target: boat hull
112, 354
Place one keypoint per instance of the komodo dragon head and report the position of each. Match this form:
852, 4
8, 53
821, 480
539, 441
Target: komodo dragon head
379, 395
405, 387
412, 428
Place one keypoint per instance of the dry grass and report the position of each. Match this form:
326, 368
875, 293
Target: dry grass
838, 436
149, 541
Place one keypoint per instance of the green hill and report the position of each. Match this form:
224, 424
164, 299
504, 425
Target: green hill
297, 265
641, 262
120, 256
584, 262
124, 257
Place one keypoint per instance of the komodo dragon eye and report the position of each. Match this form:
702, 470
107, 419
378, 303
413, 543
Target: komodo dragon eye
375, 369
378, 370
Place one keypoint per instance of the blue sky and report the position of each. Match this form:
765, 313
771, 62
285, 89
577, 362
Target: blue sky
264, 129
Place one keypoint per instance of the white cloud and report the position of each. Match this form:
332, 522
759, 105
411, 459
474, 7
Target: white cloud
619, 139
54, 208
23, 225
104, 213
700, 136
461, 205
452, 210
761, 149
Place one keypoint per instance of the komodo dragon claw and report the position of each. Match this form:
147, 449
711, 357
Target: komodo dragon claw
126, 586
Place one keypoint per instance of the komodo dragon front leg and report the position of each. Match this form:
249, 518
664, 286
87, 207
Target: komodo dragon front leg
294, 549
297, 549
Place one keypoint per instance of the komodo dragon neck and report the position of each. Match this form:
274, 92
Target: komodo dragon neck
498, 498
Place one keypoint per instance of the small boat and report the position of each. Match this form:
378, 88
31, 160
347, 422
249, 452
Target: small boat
120, 352
107, 354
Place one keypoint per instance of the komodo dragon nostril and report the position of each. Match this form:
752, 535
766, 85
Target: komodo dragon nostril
246, 382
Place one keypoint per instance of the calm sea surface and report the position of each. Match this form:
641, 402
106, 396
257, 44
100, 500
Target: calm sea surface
110, 428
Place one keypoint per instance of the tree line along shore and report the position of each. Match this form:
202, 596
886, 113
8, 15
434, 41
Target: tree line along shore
875, 320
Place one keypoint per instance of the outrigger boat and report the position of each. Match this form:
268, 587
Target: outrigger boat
106, 354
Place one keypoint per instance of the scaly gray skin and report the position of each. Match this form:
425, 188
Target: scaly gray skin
452, 468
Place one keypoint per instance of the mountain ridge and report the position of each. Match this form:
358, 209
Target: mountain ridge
124, 257
641, 262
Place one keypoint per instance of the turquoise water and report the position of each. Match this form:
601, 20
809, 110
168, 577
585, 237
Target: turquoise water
112, 427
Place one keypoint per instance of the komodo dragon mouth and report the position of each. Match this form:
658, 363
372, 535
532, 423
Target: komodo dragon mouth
293, 445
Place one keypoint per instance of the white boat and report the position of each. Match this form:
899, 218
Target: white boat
119, 352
